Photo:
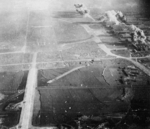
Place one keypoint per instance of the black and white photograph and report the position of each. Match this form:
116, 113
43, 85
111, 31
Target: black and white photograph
74, 64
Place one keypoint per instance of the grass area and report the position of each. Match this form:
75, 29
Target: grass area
10, 81
91, 93
97, 26
40, 18
89, 76
12, 68
48, 56
124, 53
39, 38
69, 104
87, 50
14, 58
67, 32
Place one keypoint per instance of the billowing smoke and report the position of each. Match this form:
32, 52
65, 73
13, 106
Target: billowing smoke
14, 12
53, 5
123, 5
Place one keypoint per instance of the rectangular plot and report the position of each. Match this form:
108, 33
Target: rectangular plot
41, 38
79, 76
85, 50
60, 105
11, 81
15, 58
48, 56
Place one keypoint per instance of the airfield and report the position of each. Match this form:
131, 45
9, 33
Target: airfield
59, 68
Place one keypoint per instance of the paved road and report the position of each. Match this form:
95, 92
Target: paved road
28, 102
